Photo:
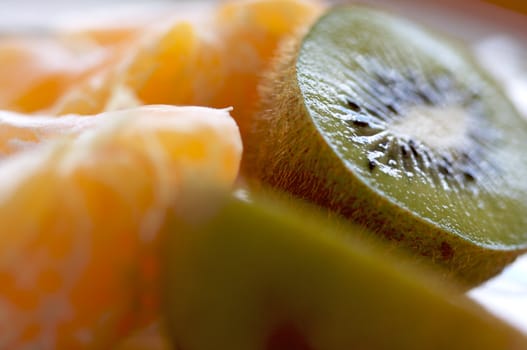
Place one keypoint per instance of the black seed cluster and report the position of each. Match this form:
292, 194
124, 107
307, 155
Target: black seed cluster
384, 96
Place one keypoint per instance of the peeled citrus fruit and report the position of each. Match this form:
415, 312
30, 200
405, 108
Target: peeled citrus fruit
220, 62
20, 131
207, 55
78, 252
36, 71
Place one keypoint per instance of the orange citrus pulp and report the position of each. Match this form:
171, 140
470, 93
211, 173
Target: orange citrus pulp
78, 252
213, 56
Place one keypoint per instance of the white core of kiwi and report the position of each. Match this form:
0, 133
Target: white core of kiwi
439, 128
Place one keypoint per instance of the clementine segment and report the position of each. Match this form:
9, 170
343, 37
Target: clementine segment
206, 55
215, 59
20, 131
36, 71
78, 256
251, 32
80, 217
219, 61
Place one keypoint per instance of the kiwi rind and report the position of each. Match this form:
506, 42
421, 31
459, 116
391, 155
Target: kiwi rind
286, 151
232, 279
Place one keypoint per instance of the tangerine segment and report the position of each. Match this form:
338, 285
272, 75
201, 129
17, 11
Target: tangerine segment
19, 131
78, 252
36, 71
215, 59
220, 62
202, 55
124, 24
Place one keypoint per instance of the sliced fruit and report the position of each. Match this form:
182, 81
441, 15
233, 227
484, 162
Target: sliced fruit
265, 276
36, 71
19, 131
204, 55
78, 253
214, 58
395, 128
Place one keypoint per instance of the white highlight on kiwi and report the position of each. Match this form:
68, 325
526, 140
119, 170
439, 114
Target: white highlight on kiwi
440, 128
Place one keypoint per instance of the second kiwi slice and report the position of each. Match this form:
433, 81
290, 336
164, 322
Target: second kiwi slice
394, 127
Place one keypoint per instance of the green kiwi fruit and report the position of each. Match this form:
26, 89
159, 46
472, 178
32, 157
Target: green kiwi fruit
271, 275
394, 127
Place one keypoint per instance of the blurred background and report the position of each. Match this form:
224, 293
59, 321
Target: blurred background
469, 19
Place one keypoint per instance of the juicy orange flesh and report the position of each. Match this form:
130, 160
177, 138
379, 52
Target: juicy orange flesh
214, 58
36, 71
78, 262
80, 270
19, 131
219, 66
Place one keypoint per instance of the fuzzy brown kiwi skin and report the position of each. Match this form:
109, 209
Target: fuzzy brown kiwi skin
284, 151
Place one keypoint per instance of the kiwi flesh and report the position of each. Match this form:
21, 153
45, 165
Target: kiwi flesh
270, 275
395, 127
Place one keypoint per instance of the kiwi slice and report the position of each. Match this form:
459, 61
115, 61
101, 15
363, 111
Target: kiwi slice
395, 127
269, 276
